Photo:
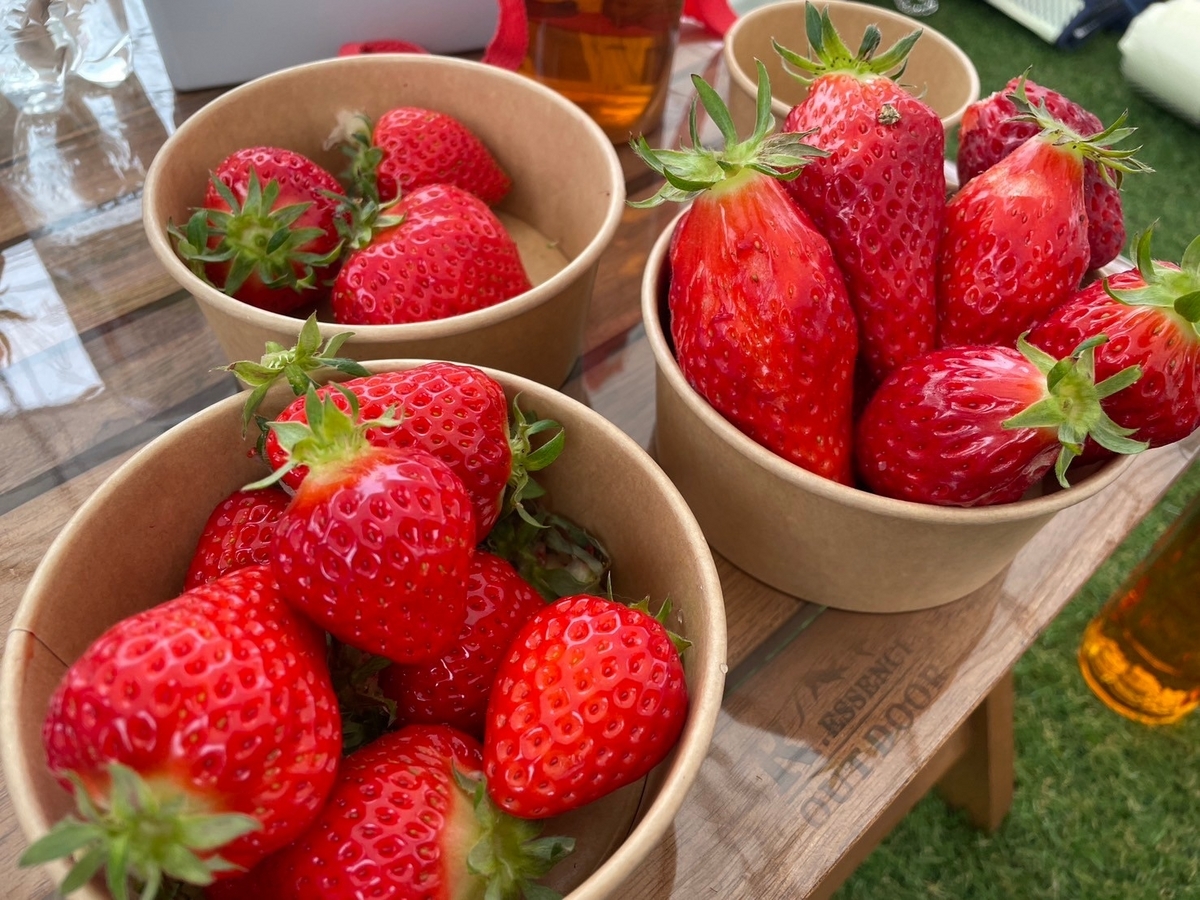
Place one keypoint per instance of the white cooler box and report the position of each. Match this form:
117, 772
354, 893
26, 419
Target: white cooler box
219, 42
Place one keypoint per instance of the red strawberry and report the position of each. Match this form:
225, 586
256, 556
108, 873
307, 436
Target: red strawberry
375, 545
237, 534
453, 689
268, 233
1149, 314
449, 255
975, 426
206, 725
411, 147
880, 194
990, 131
455, 412
408, 818
1015, 240
590, 698
762, 326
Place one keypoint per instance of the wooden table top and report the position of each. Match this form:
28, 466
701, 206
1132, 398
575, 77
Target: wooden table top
828, 715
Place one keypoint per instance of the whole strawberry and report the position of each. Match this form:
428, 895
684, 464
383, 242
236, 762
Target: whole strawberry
448, 255
1015, 244
375, 544
991, 129
457, 413
1149, 314
410, 147
880, 194
237, 534
454, 688
268, 233
761, 322
198, 735
975, 426
408, 818
590, 698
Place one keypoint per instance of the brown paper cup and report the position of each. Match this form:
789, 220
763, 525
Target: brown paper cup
129, 546
938, 70
566, 201
814, 538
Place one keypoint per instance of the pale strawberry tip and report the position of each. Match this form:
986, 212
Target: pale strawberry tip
833, 55
1072, 405
140, 838
293, 364
556, 556
690, 171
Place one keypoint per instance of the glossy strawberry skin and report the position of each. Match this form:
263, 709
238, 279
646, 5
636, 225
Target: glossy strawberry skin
455, 412
762, 324
454, 689
450, 255
375, 549
1014, 247
1163, 406
237, 534
590, 698
879, 197
988, 134
222, 692
422, 147
396, 825
932, 431
300, 181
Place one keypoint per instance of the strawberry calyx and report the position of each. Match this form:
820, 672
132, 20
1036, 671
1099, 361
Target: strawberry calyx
509, 853
140, 836
353, 136
254, 238
830, 53
527, 458
1072, 402
1167, 287
1113, 163
293, 364
556, 556
366, 711
361, 220
690, 171
329, 437
664, 612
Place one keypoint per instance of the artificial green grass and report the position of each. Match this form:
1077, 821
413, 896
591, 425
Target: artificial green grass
1104, 808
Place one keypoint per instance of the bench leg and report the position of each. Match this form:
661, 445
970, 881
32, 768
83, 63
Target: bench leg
981, 782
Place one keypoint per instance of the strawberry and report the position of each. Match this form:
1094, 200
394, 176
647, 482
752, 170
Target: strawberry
453, 689
1015, 240
759, 314
237, 534
455, 412
376, 543
408, 818
206, 725
975, 426
268, 232
590, 698
1149, 314
410, 147
991, 130
448, 255
880, 194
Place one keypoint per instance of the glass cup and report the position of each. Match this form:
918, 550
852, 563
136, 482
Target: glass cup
611, 57
1141, 653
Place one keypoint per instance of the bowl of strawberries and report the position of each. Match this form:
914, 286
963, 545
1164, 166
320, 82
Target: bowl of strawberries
476, 645
874, 385
409, 199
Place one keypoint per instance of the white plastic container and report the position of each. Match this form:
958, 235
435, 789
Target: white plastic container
220, 42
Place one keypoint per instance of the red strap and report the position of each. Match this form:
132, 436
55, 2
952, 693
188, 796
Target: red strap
381, 46
715, 15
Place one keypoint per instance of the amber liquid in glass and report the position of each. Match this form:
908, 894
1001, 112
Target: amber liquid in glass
611, 57
1141, 654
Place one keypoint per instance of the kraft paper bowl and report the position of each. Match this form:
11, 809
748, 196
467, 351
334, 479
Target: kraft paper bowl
814, 538
565, 204
938, 70
128, 548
